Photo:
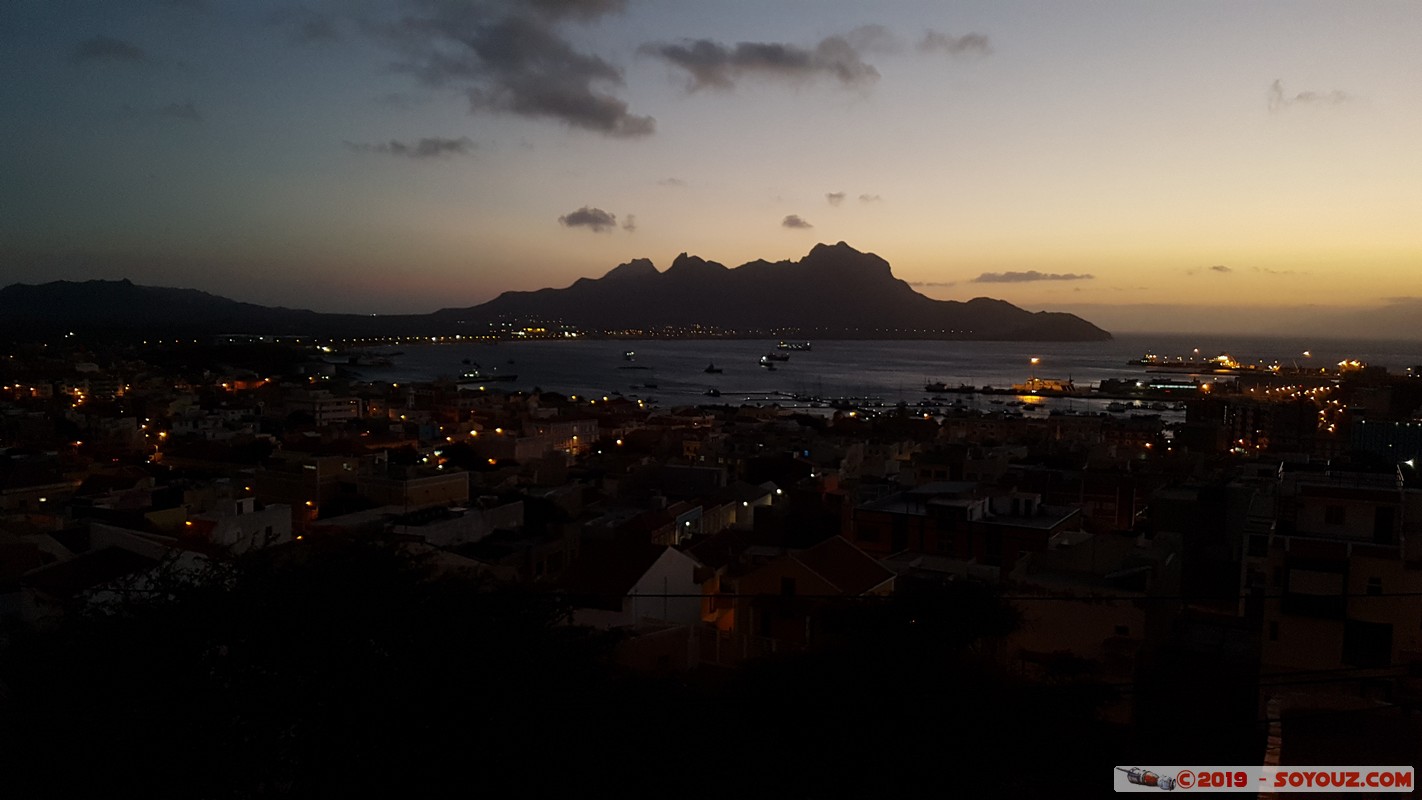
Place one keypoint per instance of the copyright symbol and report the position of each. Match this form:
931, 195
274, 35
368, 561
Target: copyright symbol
1185, 779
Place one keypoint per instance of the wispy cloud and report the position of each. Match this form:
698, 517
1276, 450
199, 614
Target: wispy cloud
719, 66
932, 284
794, 221
1030, 276
869, 198
969, 45
629, 224
432, 147
1218, 269
594, 219
671, 182
874, 39
107, 48
834, 198
1279, 99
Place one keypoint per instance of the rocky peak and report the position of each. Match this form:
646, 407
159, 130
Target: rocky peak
636, 268
845, 260
692, 265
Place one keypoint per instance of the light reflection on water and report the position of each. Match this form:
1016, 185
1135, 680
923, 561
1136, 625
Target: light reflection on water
673, 371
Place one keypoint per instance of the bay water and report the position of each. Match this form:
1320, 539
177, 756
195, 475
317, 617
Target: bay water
673, 371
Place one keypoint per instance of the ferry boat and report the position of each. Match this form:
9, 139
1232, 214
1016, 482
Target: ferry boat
793, 346
775, 357
1222, 363
940, 388
1046, 386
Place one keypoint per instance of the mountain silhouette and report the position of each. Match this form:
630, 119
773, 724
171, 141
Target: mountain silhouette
834, 291
125, 306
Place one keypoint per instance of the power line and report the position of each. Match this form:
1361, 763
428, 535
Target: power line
910, 597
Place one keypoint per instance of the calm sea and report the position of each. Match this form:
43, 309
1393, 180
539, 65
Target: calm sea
673, 371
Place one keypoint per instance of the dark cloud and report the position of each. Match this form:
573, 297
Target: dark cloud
719, 66
869, 198
177, 112
306, 26
834, 198
794, 221
671, 182
629, 224
967, 45
1029, 276
1220, 268
1280, 99
511, 58
932, 284
1268, 271
593, 218
107, 48
432, 147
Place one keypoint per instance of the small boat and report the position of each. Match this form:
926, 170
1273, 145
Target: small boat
713, 392
629, 355
475, 375
712, 369
776, 357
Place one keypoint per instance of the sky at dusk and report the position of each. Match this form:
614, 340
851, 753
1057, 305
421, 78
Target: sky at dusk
1127, 161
